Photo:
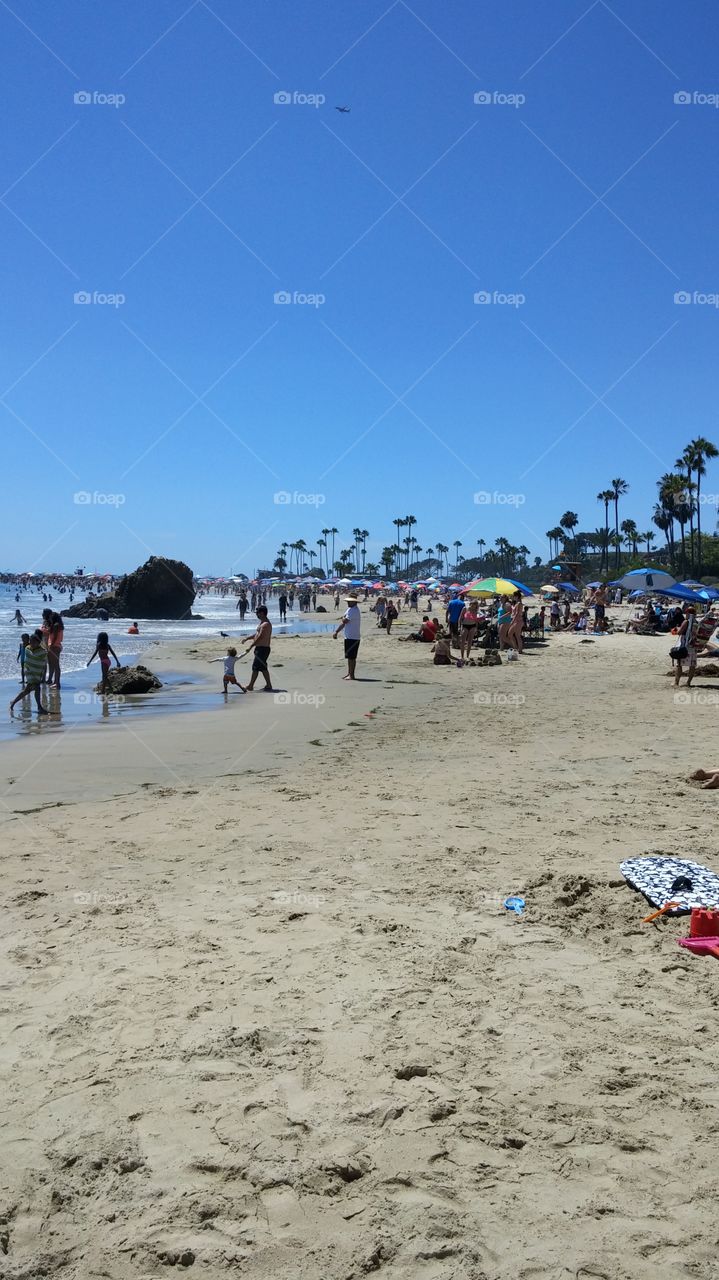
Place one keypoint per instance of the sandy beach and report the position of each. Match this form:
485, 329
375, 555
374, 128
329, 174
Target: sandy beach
264, 1011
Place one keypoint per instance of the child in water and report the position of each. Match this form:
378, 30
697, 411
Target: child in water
35, 661
103, 649
24, 642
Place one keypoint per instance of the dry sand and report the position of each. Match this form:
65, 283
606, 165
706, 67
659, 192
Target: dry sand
265, 1015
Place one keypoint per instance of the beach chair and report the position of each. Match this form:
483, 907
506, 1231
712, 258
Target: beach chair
705, 629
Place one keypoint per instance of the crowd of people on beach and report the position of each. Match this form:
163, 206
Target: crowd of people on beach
498, 626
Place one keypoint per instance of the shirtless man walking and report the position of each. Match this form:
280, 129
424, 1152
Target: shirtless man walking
261, 642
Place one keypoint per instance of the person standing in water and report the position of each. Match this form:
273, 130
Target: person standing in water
103, 649
35, 660
261, 643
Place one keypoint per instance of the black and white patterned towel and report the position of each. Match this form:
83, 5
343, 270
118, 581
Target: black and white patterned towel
655, 876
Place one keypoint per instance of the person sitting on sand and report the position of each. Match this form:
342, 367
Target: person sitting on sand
442, 650
228, 676
427, 633
35, 661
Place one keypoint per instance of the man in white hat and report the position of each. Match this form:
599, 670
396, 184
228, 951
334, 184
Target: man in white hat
350, 624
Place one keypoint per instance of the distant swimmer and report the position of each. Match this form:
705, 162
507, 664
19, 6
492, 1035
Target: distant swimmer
343, 110
134, 630
21, 622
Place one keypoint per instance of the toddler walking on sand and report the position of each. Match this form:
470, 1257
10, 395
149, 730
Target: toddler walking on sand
229, 676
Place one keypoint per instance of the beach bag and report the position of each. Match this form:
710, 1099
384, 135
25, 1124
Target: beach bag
382, 623
679, 652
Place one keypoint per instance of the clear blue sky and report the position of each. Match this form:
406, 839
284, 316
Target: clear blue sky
110, 199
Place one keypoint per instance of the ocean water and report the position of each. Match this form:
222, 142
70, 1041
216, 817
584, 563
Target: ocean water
219, 614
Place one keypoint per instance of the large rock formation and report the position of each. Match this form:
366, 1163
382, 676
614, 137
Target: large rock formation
126, 680
160, 588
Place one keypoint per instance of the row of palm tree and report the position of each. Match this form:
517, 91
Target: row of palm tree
679, 503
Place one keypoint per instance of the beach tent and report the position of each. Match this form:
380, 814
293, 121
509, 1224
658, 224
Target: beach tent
708, 593
651, 578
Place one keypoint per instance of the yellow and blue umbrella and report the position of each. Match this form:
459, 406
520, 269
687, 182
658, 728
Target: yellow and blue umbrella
495, 587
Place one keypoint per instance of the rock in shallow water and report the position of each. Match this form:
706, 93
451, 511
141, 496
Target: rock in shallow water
126, 680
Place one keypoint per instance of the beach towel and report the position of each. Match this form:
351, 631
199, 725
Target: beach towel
656, 878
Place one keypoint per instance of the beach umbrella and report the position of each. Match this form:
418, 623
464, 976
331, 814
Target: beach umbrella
494, 587
568, 586
647, 577
679, 593
526, 591
550, 589
708, 593
594, 585
636, 595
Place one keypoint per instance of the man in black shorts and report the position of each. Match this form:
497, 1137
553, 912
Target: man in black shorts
261, 645
350, 624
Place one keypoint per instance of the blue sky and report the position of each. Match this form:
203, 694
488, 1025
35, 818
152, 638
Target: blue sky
182, 410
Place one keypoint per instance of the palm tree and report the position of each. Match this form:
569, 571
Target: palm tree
280, 564
672, 491
619, 488
332, 533
605, 496
648, 538
301, 552
387, 559
631, 534
664, 521
481, 544
443, 550
701, 450
569, 521
322, 545
364, 534
457, 544
687, 460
